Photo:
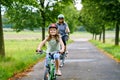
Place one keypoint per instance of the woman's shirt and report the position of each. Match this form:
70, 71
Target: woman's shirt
53, 45
62, 28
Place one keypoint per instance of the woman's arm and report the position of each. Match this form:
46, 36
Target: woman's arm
42, 43
67, 30
62, 45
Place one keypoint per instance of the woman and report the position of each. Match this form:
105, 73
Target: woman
63, 28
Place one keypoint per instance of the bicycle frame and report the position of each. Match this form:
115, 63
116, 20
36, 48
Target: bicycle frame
62, 59
50, 68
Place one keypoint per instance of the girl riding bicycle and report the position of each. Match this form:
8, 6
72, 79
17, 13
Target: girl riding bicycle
54, 44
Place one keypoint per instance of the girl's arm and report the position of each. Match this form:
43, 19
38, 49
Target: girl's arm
62, 45
42, 43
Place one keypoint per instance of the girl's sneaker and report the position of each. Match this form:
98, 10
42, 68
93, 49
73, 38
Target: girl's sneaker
58, 73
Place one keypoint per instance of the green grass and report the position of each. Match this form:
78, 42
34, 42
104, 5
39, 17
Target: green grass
20, 54
110, 48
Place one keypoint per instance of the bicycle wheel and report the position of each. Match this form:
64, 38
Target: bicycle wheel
62, 59
50, 75
46, 75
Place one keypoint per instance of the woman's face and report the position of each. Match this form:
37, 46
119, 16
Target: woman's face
61, 20
53, 31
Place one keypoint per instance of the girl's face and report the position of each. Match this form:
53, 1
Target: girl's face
53, 31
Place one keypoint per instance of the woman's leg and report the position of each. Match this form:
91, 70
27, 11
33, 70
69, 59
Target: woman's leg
64, 41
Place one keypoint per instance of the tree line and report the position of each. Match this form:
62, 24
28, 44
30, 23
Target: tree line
99, 15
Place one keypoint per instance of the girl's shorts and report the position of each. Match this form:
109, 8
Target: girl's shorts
55, 56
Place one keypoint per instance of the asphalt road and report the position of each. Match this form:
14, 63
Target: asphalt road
84, 62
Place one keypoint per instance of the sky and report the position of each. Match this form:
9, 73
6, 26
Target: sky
78, 5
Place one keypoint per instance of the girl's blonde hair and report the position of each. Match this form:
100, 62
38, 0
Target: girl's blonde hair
56, 36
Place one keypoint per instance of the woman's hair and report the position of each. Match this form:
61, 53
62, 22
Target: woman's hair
56, 36
61, 22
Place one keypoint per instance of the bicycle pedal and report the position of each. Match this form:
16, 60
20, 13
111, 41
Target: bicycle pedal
61, 66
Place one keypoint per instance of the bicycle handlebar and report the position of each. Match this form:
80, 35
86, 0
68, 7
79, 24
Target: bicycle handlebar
39, 51
42, 51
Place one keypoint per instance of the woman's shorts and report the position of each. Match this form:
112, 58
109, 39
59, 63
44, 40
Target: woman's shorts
64, 39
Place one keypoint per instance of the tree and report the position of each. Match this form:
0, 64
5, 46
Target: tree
24, 17
18, 12
55, 6
90, 18
2, 50
47, 12
108, 11
71, 16
113, 13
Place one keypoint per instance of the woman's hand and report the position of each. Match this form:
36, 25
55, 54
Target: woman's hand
61, 51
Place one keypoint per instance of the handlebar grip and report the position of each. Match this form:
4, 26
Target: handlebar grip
39, 51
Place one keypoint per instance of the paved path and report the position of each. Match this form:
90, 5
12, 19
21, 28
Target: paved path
84, 62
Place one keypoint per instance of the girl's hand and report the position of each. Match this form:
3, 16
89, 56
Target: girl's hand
38, 50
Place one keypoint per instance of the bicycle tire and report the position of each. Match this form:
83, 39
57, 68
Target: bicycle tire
50, 75
62, 59
46, 75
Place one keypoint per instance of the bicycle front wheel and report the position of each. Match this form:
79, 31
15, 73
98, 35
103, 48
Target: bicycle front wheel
46, 75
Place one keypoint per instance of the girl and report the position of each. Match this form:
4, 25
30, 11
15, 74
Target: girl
54, 44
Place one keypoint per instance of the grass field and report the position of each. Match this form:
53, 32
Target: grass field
20, 54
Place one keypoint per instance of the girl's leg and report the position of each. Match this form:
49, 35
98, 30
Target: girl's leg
57, 63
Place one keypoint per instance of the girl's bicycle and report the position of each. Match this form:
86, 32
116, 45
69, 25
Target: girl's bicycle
49, 73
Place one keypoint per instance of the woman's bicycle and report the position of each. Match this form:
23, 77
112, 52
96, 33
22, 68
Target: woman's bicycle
49, 73
64, 55
62, 59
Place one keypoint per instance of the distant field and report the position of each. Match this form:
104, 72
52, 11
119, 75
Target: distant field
34, 35
37, 35
22, 35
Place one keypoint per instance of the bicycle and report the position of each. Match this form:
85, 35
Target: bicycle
62, 56
50, 68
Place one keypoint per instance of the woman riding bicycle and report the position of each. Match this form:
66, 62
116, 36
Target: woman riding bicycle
63, 29
54, 43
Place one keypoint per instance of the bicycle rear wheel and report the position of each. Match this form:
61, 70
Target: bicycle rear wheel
62, 59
